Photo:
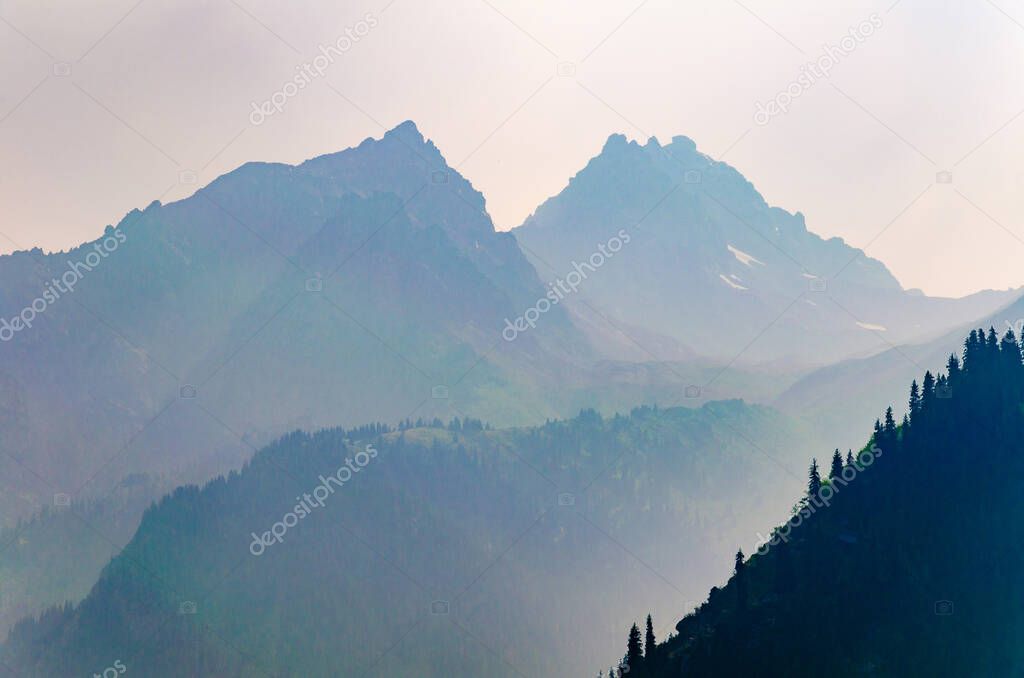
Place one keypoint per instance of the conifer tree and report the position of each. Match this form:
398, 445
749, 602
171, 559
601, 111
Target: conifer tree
889, 428
849, 458
971, 351
634, 652
952, 368
813, 484
649, 642
927, 389
1009, 354
741, 580
837, 465
915, 399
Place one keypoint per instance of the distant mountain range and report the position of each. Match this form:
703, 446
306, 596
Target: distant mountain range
712, 266
370, 284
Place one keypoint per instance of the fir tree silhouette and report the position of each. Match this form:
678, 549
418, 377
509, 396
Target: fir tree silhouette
650, 644
915, 400
634, 651
837, 465
740, 579
889, 427
813, 483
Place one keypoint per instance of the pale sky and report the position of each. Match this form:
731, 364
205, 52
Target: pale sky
159, 89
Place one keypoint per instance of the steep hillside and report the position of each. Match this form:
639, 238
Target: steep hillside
450, 551
905, 562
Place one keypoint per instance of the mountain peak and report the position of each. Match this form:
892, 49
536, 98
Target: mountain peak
615, 141
406, 131
684, 143
388, 151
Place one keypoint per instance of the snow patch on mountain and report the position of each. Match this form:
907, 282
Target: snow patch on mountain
743, 257
730, 283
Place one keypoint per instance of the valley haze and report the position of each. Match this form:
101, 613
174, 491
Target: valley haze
628, 339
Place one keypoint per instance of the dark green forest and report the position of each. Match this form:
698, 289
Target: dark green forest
456, 550
915, 567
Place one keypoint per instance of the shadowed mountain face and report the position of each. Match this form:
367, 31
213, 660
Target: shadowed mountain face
710, 264
451, 551
906, 563
341, 290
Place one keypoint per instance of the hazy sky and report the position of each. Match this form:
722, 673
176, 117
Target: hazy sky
109, 104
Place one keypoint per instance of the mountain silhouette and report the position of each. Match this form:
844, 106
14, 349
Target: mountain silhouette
713, 266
